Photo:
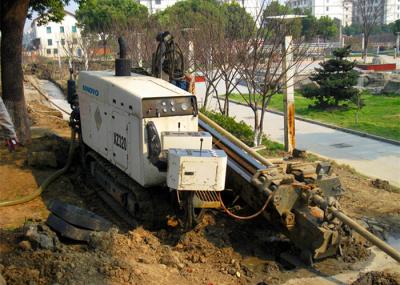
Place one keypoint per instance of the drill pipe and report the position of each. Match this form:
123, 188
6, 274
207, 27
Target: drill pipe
389, 250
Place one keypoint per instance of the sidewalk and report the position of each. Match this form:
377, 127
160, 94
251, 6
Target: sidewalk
367, 156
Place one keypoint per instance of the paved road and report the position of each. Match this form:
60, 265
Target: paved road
369, 157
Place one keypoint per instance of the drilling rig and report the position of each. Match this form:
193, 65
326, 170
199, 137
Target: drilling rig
139, 132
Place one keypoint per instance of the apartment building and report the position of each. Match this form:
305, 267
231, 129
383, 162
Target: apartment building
335, 9
385, 11
55, 39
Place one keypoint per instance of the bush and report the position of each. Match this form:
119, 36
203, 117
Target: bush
239, 129
244, 132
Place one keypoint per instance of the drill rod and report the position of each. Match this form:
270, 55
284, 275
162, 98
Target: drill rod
385, 247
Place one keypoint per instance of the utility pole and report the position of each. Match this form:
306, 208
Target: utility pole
397, 42
288, 95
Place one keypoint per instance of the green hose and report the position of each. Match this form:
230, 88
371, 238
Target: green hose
48, 181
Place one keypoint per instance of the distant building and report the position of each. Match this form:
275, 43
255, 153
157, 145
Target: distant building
386, 11
335, 9
55, 39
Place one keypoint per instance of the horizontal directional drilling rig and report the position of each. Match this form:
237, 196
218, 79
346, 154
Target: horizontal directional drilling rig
141, 135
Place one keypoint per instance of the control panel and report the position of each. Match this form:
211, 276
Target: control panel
169, 106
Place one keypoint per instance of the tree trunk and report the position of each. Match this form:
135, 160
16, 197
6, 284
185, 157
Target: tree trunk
12, 27
207, 95
365, 52
256, 127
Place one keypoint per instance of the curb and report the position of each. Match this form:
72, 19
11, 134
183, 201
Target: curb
345, 130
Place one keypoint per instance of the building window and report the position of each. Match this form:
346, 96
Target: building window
49, 42
79, 52
48, 51
48, 30
63, 42
158, 2
74, 41
327, 9
61, 29
55, 51
74, 29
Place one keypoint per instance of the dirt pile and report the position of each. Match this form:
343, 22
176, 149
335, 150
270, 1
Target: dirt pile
377, 278
135, 257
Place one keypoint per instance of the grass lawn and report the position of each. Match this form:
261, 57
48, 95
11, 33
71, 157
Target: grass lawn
380, 115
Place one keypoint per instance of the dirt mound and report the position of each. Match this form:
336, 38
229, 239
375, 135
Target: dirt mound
377, 278
355, 249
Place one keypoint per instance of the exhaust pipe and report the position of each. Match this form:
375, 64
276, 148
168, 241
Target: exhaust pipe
122, 64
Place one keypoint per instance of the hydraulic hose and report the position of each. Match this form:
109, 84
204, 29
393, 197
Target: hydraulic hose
244, 217
49, 180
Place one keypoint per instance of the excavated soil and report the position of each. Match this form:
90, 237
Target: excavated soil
219, 250
377, 278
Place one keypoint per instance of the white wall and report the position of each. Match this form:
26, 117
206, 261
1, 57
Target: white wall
51, 42
331, 8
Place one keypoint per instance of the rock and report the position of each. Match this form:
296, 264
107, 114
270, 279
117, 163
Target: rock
231, 270
392, 86
170, 259
380, 184
2, 280
237, 274
25, 245
144, 259
59, 275
41, 236
1, 268
194, 258
42, 159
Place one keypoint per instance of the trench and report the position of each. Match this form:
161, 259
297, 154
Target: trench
56, 96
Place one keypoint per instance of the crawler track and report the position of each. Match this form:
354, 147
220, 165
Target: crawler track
131, 202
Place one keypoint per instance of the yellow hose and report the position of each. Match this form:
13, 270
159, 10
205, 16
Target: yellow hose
48, 181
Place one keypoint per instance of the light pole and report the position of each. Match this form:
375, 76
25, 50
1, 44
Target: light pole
288, 96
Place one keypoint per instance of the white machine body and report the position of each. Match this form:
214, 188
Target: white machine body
114, 113
186, 140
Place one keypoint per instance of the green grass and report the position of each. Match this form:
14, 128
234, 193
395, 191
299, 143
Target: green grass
380, 115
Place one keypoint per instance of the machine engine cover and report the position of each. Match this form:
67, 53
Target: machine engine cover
195, 170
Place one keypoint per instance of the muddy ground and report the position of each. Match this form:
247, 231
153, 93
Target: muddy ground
218, 251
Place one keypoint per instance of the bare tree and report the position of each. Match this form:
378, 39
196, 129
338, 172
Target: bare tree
227, 65
206, 45
262, 67
368, 13
88, 44
69, 45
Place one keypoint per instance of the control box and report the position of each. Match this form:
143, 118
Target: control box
186, 140
195, 170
